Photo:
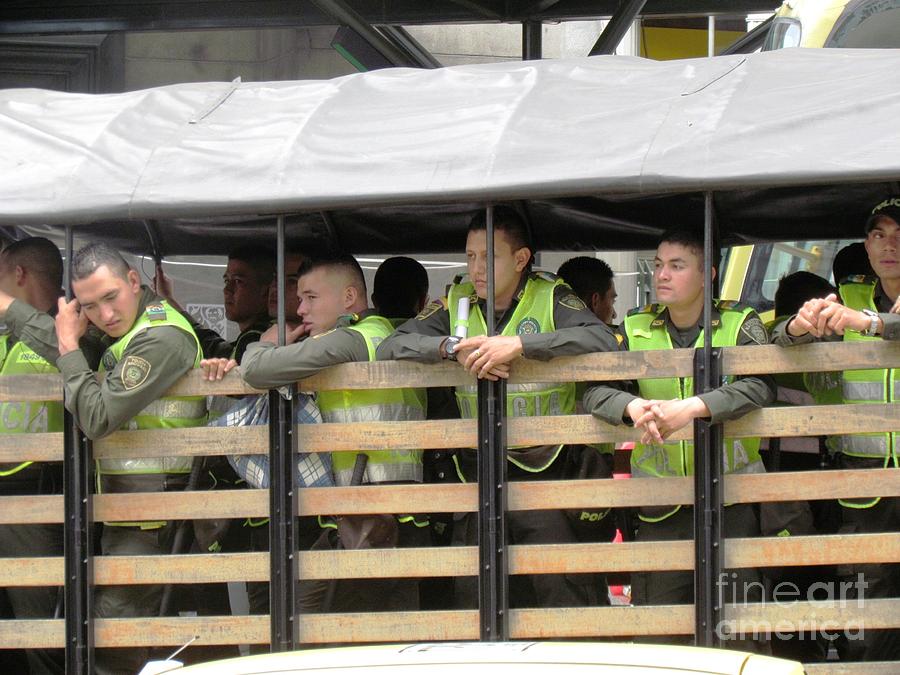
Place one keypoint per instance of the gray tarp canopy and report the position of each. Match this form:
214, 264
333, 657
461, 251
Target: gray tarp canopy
603, 152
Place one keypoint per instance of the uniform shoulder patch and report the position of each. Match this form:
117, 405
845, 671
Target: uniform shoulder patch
857, 279
135, 371
572, 301
156, 312
726, 305
429, 309
754, 329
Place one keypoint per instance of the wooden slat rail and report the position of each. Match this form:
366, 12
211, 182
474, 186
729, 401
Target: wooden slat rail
865, 668
454, 625
456, 497
598, 367
437, 434
461, 561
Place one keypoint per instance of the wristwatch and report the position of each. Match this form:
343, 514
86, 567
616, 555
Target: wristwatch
873, 323
450, 344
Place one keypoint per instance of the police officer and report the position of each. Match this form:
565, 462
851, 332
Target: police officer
867, 310
538, 317
665, 405
148, 347
339, 328
592, 280
31, 271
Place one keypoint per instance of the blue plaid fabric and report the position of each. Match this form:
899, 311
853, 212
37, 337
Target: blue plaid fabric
313, 469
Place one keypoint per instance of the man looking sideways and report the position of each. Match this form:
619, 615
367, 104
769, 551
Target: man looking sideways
147, 346
665, 405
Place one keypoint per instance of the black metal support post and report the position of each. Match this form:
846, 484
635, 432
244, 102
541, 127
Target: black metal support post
493, 576
708, 470
532, 40
282, 502
618, 25
77, 539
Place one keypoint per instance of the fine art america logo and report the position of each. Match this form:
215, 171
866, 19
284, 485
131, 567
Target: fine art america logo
811, 612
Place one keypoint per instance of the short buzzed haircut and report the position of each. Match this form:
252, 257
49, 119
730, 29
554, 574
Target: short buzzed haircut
261, 260
343, 262
400, 285
89, 258
691, 239
39, 256
586, 276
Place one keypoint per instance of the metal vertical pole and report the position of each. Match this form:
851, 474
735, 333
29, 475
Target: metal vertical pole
711, 36
532, 40
708, 441
493, 578
77, 537
284, 629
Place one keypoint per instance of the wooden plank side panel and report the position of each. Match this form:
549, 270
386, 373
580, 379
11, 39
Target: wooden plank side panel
181, 505
31, 388
794, 485
43, 447
849, 615
390, 627
621, 622
815, 357
867, 668
31, 509
26, 572
831, 549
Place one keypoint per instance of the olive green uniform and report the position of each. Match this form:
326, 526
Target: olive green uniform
578, 331
729, 401
162, 354
214, 346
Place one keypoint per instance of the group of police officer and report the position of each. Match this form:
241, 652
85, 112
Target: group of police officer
144, 344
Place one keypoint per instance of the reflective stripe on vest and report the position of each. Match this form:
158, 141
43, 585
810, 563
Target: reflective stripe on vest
877, 385
533, 314
375, 405
647, 331
166, 412
26, 417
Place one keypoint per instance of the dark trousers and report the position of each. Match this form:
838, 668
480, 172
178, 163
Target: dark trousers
677, 588
381, 595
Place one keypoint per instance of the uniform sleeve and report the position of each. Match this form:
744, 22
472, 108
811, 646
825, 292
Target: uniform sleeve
153, 361
746, 393
608, 400
266, 366
419, 339
38, 331
578, 331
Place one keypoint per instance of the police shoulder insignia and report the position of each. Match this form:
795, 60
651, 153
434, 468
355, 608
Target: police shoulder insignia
572, 301
644, 309
134, 371
619, 338
430, 309
528, 326
726, 304
656, 323
109, 361
156, 312
546, 276
753, 328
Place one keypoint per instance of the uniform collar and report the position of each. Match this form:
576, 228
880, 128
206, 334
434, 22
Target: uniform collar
663, 319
